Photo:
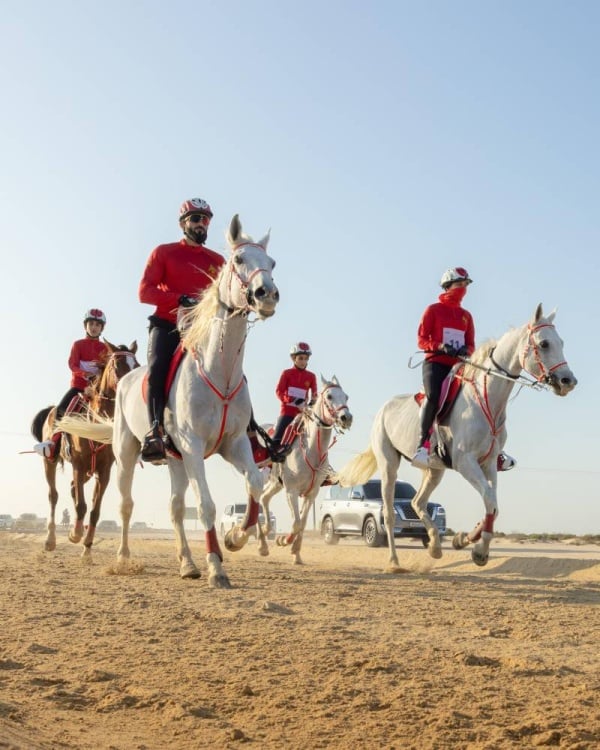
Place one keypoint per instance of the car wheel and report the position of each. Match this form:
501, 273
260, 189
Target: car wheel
328, 533
372, 536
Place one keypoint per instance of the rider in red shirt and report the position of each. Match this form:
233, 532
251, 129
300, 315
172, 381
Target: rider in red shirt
84, 360
174, 277
293, 389
446, 334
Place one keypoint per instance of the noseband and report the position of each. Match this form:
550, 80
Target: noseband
545, 374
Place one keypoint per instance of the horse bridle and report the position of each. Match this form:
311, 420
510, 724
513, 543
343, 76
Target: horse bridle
329, 411
245, 290
111, 363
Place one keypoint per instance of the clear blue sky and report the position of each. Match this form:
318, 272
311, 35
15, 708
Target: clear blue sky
381, 142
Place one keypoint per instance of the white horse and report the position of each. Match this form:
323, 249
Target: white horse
471, 436
304, 469
208, 407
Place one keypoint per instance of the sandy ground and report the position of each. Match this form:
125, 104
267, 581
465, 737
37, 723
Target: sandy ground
332, 654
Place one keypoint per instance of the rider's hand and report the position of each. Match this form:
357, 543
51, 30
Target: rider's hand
298, 402
449, 350
187, 301
462, 352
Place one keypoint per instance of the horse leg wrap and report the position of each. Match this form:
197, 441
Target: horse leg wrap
212, 543
252, 514
488, 523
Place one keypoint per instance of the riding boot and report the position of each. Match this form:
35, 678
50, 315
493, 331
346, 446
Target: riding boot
153, 448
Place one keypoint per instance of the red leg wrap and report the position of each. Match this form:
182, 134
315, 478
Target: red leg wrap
212, 543
475, 535
488, 523
252, 514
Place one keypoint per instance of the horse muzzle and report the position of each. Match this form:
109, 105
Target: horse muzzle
263, 300
344, 420
562, 384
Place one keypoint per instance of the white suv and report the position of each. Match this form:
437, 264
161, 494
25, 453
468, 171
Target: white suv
233, 515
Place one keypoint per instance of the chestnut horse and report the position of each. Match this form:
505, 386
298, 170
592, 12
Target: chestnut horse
86, 457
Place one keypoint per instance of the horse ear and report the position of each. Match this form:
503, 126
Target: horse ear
323, 381
235, 230
550, 317
112, 347
538, 314
334, 380
265, 240
133, 347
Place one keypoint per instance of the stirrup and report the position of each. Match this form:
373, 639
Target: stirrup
154, 446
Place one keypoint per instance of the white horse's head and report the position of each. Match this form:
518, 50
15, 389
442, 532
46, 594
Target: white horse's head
331, 405
542, 354
246, 282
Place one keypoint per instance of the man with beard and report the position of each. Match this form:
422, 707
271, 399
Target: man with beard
174, 277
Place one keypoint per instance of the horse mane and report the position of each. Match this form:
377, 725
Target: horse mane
479, 356
197, 320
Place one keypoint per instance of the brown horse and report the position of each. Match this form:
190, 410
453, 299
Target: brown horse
87, 458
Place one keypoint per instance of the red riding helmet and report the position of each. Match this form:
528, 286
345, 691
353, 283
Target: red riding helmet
194, 206
300, 348
95, 314
454, 274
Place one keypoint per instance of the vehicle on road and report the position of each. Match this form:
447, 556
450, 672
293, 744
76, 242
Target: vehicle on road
233, 515
358, 511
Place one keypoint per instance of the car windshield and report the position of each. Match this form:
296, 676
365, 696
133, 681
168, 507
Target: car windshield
240, 508
402, 491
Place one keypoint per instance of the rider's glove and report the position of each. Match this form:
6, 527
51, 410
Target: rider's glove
449, 350
462, 352
186, 301
298, 401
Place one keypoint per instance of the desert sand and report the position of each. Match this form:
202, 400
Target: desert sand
332, 654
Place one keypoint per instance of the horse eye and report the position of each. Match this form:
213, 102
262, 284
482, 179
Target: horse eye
237, 258
544, 344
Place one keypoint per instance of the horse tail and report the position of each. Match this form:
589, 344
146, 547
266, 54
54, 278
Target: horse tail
100, 431
357, 471
37, 425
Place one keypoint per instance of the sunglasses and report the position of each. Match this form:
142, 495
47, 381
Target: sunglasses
199, 219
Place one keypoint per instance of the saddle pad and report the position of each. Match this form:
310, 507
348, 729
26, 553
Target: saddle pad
176, 360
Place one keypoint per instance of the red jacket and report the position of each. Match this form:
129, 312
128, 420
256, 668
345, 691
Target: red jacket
295, 384
445, 322
84, 360
175, 269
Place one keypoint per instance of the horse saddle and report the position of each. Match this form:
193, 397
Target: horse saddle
448, 393
176, 360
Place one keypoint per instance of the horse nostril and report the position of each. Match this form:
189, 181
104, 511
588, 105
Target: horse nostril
260, 292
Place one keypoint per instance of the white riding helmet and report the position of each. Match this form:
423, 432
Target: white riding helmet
300, 348
454, 274
94, 314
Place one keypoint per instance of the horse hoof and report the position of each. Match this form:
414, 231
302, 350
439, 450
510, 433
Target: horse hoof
50, 546
435, 551
190, 571
219, 581
230, 545
479, 559
75, 538
263, 551
460, 540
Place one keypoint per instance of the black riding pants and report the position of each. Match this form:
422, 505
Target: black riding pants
66, 400
434, 374
162, 342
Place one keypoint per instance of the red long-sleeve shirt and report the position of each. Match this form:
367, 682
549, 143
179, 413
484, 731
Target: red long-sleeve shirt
173, 270
295, 384
445, 323
84, 360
